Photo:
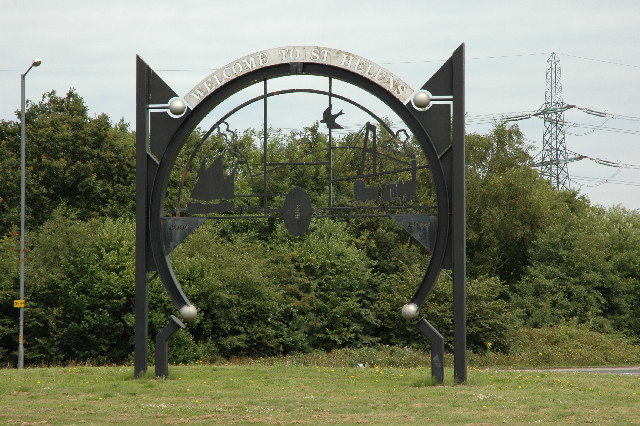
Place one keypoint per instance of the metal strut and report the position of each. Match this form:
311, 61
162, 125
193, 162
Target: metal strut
162, 346
437, 350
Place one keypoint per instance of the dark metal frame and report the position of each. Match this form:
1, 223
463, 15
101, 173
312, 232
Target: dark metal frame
160, 136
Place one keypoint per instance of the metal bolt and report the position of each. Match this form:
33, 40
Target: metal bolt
188, 312
410, 311
422, 100
177, 107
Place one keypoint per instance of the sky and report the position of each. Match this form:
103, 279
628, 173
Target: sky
91, 46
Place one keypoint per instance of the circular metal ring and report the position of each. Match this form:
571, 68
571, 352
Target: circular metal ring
195, 116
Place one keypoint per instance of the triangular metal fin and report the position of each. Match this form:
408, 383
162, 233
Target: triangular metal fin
423, 227
176, 229
159, 91
441, 83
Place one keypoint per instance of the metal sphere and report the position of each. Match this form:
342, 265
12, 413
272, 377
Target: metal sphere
177, 107
422, 99
188, 312
410, 311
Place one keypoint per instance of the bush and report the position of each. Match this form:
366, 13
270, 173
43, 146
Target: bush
231, 284
9, 290
256, 298
568, 344
585, 269
80, 291
329, 287
491, 321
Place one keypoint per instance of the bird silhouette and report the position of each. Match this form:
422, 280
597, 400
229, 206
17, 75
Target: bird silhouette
330, 119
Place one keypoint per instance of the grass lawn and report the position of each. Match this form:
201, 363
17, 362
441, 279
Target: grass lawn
310, 395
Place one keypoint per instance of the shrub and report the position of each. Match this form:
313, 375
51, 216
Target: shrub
80, 291
9, 290
231, 284
329, 287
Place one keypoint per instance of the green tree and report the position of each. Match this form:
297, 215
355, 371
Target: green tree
9, 290
585, 269
80, 291
9, 176
86, 163
508, 204
622, 307
328, 282
231, 284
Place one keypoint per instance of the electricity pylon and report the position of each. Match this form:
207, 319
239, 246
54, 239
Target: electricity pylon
553, 164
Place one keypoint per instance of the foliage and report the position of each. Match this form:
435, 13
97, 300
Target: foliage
86, 163
585, 269
505, 193
296, 294
566, 345
9, 291
536, 256
390, 247
80, 292
231, 285
329, 284
490, 319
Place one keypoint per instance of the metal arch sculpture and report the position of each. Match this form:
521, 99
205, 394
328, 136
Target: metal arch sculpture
164, 121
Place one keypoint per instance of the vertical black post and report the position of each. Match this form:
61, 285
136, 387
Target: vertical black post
141, 291
458, 224
330, 153
264, 149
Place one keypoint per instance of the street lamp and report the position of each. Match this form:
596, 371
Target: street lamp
23, 172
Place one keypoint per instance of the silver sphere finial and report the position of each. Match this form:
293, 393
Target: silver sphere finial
422, 100
177, 107
410, 311
188, 312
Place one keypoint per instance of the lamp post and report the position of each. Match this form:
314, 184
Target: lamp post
23, 172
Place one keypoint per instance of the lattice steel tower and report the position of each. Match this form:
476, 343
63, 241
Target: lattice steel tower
553, 165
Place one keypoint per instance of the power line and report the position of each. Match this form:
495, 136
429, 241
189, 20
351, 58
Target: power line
545, 112
604, 128
624, 117
515, 55
599, 60
603, 181
521, 115
590, 131
608, 163
500, 114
